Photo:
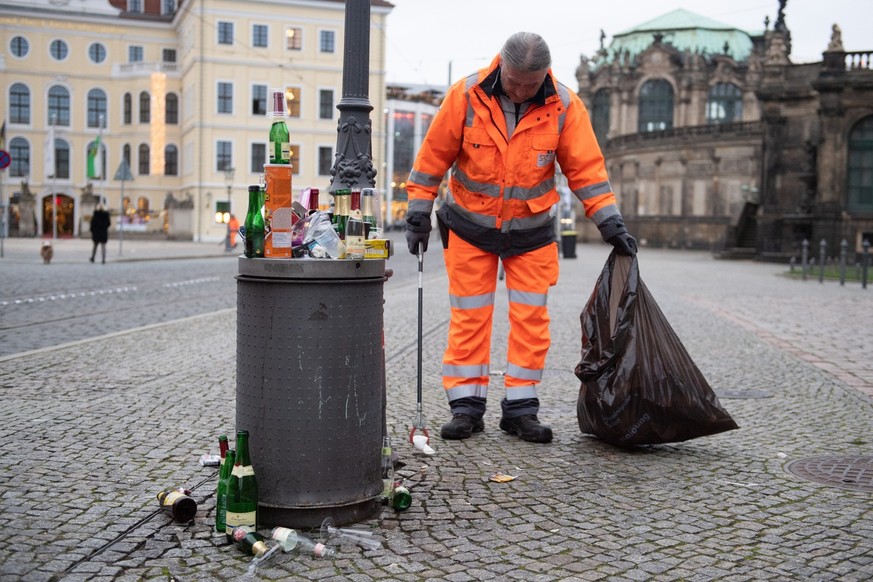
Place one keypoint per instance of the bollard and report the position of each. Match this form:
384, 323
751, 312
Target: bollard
822, 250
865, 261
844, 249
804, 259
791, 262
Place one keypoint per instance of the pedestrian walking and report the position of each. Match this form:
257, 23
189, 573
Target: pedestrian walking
501, 131
100, 222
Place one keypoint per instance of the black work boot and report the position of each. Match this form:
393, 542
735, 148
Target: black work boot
528, 428
462, 426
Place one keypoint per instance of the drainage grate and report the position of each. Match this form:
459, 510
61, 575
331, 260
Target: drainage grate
854, 473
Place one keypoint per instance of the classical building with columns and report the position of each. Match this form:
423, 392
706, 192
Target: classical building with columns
174, 95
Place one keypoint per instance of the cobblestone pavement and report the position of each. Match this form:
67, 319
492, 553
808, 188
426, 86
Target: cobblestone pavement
86, 449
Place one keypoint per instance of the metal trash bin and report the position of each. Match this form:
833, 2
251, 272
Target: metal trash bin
568, 244
310, 386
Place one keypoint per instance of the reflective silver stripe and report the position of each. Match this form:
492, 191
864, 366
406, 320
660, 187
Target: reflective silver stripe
428, 180
472, 301
535, 221
605, 213
523, 373
485, 188
592, 190
527, 298
469, 371
521, 193
419, 205
471, 81
466, 391
564, 94
521, 393
479, 219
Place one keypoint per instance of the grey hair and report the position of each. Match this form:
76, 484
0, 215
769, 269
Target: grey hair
526, 52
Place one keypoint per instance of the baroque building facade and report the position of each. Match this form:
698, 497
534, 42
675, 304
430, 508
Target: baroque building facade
715, 140
175, 97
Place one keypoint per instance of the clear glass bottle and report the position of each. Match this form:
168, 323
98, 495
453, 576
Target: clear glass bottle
242, 489
280, 146
387, 468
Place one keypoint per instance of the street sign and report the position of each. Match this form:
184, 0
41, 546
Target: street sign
123, 171
5, 159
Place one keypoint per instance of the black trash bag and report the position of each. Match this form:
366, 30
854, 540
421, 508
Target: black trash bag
639, 384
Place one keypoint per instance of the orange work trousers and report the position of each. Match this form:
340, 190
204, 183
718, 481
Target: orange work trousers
472, 275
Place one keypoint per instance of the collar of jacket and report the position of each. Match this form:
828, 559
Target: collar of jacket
491, 84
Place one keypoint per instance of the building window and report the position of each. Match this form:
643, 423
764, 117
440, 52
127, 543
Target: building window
135, 54
259, 35
171, 109
326, 42
325, 104
171, 161
225, 33
259, 100
62, 160
59, 106
96, 108
293, 38
128, 109
125, 154
19, 151
225, 97
296, 162
860, 170
19, 46
145, 108
259, 157
656, 106
724, 103
59, 50
223, 156
168, 7
144, 159
325, 160
600, 116
168, 55
19, 104
134, 6
292, 101
97, 52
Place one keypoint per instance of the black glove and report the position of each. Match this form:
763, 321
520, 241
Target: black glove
417, 231
614, 232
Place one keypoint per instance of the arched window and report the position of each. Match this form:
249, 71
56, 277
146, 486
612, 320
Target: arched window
96, 107
600, 116
171, 113
143, 159
125, 153
656, 106
19, 150
62, 159
59, 105
171, 161
128, 109
145, 108
724, 103
19, 103
860, 170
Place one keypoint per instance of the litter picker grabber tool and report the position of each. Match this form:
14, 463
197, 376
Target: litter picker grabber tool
419, 424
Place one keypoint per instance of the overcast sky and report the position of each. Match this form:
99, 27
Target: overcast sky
423, 38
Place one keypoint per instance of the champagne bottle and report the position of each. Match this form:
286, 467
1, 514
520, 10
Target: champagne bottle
222, 449
254, 247
242, 489
401, 498
176, 503
250, 541
280, 148
387, 468
221, 491
355, 228
368, 196
342, 203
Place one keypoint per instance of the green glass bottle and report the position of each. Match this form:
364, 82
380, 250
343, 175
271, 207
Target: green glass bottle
254, 247
387, 469
250, 541
221, 490
401, 498
280, 147
342, 201
368, 197
242, 489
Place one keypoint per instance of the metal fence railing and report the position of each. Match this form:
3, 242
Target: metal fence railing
824, 263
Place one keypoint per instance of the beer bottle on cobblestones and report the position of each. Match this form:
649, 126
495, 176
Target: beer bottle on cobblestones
242, 489
280, 147
254, 243
221, 491
401, 498
250, 541
176, 503
387, 469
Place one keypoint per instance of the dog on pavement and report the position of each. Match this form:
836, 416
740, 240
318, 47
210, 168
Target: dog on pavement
46, 252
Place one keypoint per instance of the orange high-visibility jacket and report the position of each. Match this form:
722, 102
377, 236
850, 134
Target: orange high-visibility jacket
501, 190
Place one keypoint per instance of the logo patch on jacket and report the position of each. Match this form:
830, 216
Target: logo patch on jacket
545, 159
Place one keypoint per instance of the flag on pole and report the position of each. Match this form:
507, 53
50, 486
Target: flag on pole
49, 153
95, 160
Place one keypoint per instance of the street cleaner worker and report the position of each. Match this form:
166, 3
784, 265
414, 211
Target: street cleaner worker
501, 130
